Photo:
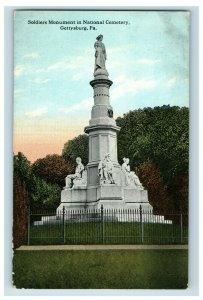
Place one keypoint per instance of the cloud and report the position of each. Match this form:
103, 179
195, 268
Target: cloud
33, 55
178, 32
78, 62
124, 86
81, 63
67, 64
37, 112
19, 70
39, 81
132, 86
40, 70
18, 94
60, 65
78, 76
147, 61
123, 61
115, 50
17, 91
24, 69
172, 81
84, 104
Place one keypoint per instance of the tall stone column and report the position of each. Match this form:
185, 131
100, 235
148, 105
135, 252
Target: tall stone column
102, 127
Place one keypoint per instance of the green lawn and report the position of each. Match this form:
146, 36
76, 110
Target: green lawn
103, 269
108, 233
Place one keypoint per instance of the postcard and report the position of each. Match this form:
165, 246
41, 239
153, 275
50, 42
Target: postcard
101, 149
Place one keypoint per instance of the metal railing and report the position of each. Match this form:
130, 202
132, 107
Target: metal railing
106, 226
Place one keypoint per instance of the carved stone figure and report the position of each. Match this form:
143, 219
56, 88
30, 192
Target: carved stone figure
126, 170
100, 53
78, 176
106, 170
130, 177
110, 112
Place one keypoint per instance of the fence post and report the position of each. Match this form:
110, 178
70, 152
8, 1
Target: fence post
102, 223
28, 227
141, 225
181, 227
63, 225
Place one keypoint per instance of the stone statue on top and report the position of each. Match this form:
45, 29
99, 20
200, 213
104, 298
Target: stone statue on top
100, 55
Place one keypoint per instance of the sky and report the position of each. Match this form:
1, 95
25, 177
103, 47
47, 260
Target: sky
147, 60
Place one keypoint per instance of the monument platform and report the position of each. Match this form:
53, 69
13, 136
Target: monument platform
109, 195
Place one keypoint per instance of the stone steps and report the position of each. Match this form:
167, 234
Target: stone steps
96, 217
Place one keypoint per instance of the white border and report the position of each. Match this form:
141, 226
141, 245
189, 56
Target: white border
53, 4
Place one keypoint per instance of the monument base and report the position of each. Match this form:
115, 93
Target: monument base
109, 195
84, 204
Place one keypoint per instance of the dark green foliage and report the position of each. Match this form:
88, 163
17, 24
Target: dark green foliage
179, 193
112, 269
44, 195
41, 194
159, 134
21, 168
78, 147
22, 183
20, 212
53, 169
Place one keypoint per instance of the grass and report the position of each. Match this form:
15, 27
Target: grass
112, 269
107, 233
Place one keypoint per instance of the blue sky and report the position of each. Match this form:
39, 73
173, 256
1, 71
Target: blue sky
147, 60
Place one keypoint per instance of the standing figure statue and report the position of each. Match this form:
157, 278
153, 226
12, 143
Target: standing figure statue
130, 177
100, 53
78, 173
106, 170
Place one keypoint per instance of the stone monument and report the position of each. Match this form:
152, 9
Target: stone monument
103, 180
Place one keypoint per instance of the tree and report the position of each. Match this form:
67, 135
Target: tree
78, 147
152, 180
45, 195
178, 190
160, 135
53, 169
21, 198
22, 169
133, 137
20, 212
40, 193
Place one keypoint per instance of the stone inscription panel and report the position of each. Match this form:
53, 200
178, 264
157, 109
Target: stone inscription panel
94, 148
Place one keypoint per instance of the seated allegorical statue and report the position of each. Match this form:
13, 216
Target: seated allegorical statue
79, 176
106, 170
131, 178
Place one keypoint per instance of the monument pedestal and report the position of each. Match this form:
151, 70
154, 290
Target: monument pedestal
110, 196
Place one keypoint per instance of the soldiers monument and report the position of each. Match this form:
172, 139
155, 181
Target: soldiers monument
103, 181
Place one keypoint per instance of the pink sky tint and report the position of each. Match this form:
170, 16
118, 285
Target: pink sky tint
43, 138
33, 151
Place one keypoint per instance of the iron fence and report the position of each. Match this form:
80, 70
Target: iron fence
107, 226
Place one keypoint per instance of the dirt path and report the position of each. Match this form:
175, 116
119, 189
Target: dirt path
102, 247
